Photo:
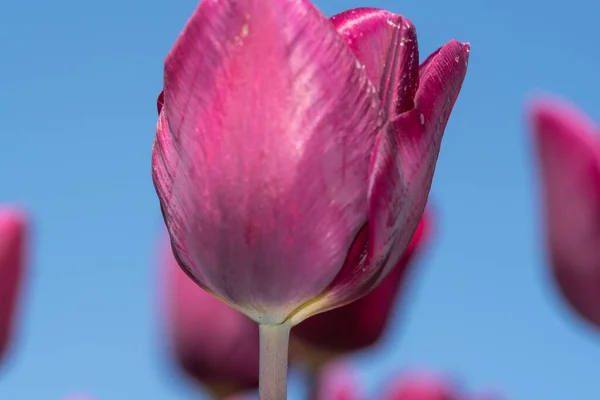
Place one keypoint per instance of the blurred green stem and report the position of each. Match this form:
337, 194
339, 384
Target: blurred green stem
274, 343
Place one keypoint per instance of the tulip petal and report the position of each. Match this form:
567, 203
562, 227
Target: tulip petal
403, 167
12, 259
425, 64
360, 324
160, 101
204, 331
568, 146
386, 44
405, 159
262, 152
401, 174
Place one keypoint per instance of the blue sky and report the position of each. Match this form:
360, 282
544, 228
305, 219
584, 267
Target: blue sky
77, 104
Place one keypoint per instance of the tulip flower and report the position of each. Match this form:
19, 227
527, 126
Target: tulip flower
360, 324
212, 343
13, 226
294, 156
568, 148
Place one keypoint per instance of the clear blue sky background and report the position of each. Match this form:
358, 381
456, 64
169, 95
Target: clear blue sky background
78, 82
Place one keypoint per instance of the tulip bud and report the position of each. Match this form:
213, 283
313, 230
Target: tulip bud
294, 155
213, 343
13, 238
568, 148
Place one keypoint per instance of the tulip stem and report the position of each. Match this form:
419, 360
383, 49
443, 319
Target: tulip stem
274, 343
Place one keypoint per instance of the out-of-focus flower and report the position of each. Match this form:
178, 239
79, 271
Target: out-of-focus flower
423, 387
13, 238
212, 342
431, 387
361, 323
568, 146
338, 383
294, 156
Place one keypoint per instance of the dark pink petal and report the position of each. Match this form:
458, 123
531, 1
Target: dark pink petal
422, 387
425, 64
160, 101
405, 158
360, 324
13, 236
262, 155
386, 44
568, 148
204, 332
401, 174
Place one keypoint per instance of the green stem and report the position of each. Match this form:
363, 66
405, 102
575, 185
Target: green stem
274, 342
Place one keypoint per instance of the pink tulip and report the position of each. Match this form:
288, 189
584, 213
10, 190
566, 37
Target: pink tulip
361, 323
337, 381
13, 237
568, 146
293, 156
422, 387
212, 342
430, 387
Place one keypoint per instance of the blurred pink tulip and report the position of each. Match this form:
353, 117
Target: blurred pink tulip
294, 156
361, 323
337, 381
422, 387
212, 342
430, 387
13, 237
568, 146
